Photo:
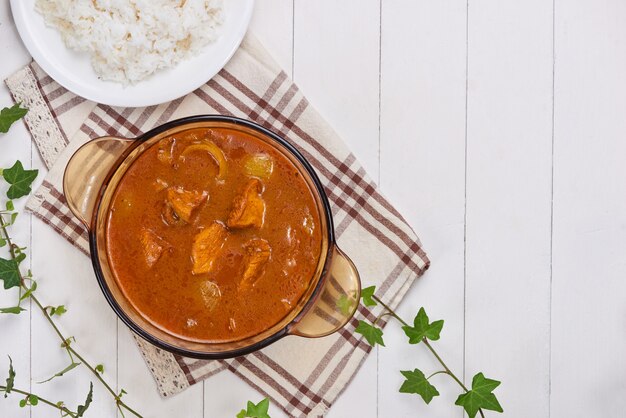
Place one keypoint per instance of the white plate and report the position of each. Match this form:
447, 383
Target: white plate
73, 70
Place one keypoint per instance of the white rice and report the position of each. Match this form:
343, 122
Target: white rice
128, 40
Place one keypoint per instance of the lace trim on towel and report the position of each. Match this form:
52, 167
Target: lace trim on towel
39, 120
167, 374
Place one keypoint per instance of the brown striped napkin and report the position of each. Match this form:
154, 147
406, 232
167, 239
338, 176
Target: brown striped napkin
303, 376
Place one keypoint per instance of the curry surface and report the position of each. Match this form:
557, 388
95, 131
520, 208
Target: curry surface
184, 269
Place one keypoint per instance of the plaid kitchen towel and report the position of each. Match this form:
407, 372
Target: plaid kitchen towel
303, 376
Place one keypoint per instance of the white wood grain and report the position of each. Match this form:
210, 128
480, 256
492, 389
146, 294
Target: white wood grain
509, 137
135, 377
588, 304
88, 319
272, 24
422, 171
15, 330
336, 62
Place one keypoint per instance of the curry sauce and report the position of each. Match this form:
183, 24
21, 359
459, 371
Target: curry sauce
213, 235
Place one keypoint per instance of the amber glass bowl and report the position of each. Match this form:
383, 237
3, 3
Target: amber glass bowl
90, 180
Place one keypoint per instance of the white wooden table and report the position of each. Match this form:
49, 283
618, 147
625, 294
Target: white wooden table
498, 128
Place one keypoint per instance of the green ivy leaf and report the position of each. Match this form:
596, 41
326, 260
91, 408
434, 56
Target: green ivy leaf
22, 403
12, 310
9, 273
372, 334
72, 366
19, 179
366, 295
20, 257
10, 115
80, 411
423, 329
33, 400
480, 397
57, 310
100, 368
3, 242
10, 379
255, 411
68, 341
30, 291
10, 206
417, 383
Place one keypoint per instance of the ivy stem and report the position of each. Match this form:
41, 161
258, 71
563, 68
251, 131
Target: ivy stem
381, 316
430, 347
40, 399
71, 351
436, 373
65, 342
456, 379
391, 311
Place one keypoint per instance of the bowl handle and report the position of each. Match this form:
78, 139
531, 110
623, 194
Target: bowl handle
87, 170
337, 302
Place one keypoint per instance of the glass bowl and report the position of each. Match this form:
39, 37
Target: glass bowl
89, 183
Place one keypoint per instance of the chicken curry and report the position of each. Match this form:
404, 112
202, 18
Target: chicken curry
213, 235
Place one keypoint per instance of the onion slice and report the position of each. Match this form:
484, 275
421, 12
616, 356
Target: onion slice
213, 150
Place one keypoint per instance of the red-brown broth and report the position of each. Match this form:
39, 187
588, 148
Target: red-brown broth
166, 291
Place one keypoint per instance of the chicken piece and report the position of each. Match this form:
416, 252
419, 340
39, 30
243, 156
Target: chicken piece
165, 152
257, 254
248, 207
160, 185
211, 294
153, 246
207, 246
183, 202
170, 217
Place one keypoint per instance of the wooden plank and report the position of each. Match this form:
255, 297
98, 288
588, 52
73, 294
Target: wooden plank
336, 64
15, 341
272, 24
509, 140
67, 278
422, 172
589, 210
135, 377
15, 144
225, 394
